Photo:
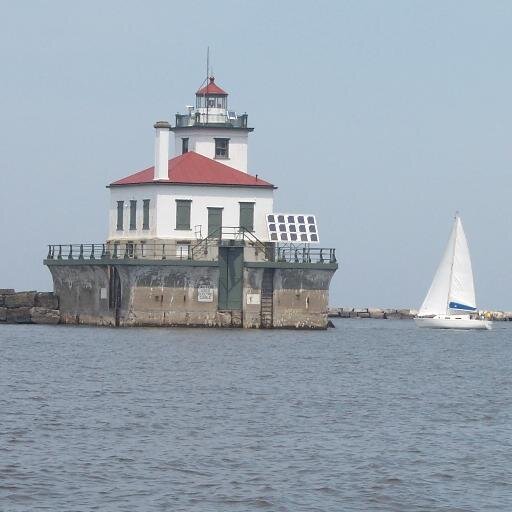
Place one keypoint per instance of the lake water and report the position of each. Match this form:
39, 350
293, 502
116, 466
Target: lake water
374, 415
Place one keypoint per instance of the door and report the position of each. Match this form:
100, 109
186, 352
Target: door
215, 222
231, 261
115, 294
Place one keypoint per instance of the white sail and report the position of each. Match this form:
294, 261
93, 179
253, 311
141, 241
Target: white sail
462, 289
436, 301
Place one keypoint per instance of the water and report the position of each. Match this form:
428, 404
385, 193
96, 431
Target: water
370, 416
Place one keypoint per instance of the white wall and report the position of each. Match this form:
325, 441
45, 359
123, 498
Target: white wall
202, 141
162, 222
137, 193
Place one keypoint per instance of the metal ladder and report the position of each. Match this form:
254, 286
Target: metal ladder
267, 299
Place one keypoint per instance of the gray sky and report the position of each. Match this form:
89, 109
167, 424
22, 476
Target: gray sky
383, 118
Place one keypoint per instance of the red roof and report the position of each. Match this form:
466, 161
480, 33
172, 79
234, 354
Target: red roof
211, 88
194, 169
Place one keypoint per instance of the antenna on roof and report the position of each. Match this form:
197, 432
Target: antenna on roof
207, 77
207, 63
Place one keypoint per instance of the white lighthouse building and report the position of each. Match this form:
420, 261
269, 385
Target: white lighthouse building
204, 190
194, 240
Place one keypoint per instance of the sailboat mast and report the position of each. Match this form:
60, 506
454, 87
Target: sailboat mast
456, 228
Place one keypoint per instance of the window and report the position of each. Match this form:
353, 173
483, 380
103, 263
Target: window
247, 216
221, 148
183, 213
182, 250
145, 214
120, 214
184, 145
133, 214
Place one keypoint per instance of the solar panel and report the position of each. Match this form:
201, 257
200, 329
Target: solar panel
285, 227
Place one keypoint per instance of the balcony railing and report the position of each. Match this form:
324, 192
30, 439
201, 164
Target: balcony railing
206, 249
198, 119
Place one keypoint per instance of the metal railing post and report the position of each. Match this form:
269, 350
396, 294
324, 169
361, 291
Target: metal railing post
70, 254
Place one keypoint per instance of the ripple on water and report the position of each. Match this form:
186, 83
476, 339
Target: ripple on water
370, 416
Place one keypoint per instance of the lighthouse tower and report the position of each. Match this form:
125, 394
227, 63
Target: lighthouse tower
212, 130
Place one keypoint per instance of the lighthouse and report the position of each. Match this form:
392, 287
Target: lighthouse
205, 186
193, 239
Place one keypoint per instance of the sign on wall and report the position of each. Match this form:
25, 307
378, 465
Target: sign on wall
204, 293
253, 298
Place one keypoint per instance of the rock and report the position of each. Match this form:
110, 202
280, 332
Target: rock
406, 313
20, 300
344, 314
363, 315
18, 315
7, 291
44, 315
3, 314
48, 300
376, 313
331, 312
330, 325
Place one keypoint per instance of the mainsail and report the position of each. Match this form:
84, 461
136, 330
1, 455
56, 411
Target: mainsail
452, 287
462, 288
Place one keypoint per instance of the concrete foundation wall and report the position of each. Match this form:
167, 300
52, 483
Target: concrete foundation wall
300, 296
172, 293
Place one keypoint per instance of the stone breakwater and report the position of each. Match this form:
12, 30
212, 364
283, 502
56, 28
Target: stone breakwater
403, 314
28, 307
378, 313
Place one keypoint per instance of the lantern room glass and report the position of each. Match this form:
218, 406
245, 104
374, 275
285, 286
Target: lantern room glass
211, 101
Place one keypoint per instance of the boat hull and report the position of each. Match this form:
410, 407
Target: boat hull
453, 322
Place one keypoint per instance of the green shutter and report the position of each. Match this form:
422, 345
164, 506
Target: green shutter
145, 214
133, 214
182, 214
120, 214
247, 216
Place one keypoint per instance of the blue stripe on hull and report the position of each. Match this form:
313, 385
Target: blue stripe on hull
460, 307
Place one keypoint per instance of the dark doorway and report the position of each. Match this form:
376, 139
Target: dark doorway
215, 222
114, 296
231, 260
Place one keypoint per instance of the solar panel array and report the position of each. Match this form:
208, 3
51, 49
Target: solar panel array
284, 227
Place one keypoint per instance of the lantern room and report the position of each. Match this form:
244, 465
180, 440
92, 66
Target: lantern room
211, 96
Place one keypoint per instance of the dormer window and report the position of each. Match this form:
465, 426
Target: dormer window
221, 148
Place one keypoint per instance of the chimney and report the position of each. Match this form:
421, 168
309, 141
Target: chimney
161, 150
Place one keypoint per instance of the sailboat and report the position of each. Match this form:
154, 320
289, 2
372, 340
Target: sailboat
450, 302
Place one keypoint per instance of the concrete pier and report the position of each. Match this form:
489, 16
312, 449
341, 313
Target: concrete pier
236, 287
